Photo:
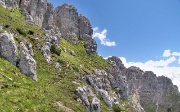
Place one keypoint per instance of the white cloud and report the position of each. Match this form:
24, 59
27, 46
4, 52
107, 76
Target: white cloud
161, 67
102, 37
167, 53
176, 53
179, 61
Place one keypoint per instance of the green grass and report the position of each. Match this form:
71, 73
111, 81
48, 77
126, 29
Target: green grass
19, 93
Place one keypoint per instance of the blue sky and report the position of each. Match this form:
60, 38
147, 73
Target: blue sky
143, 33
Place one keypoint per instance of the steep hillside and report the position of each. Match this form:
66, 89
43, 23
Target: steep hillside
49, 63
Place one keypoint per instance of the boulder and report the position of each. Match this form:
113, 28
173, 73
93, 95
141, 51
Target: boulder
27, 64
58, 67
46, 52
72, 53
8, 47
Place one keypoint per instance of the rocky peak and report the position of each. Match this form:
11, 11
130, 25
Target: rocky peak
66, 19
85, 29
115, 61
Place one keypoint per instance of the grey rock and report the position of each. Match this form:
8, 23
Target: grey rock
29, 46
58, 67
46, 52
147, 91
117, 77
48, 17
81, 92
8, 47
95, 105
99, 81
34, 10
27, 64
88, 98
72, 53
85, 29
11, 4
54, 37
91, 47
66, 19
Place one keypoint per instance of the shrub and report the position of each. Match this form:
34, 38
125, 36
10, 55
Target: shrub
20, 31
116, 108
55, 50
30, 32
61, 61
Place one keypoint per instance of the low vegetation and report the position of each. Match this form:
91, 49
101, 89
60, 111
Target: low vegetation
20, 93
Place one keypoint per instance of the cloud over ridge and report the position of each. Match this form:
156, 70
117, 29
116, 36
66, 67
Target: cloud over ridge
102, 37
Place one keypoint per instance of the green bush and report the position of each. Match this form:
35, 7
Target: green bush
20, 31
55, 50
30, 32
116, 108
61, 61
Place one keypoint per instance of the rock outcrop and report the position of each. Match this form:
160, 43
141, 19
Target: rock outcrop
11, 4
85, 29
88, 98
46, 52
91, 47
35, 11
66, 19
27, 64
143, 90
8, 48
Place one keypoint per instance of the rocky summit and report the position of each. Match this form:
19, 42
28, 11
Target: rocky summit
49, 62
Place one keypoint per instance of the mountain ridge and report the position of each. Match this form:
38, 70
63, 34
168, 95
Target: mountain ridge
68, 45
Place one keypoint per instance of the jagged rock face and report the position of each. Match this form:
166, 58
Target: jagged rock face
85, 29
155, 92
66, 19
11, 4
88, 98
8, 47
53, 37
145, 89
91, 47
99, 81
27, 64
37, 12
117, 77
48, 17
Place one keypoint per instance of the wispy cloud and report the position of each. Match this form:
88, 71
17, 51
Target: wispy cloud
101, 35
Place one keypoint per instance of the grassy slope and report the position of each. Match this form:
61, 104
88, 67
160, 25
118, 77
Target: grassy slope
20, 93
